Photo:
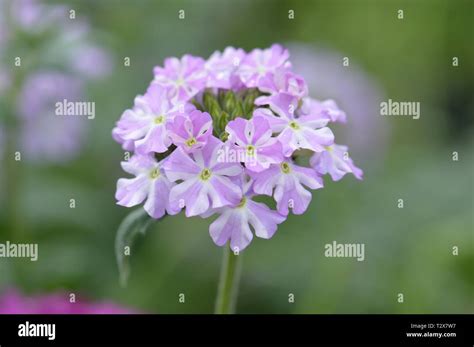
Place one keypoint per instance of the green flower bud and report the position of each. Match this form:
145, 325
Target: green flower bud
224, 136
223, 120
238, 110
197, 105
230, 102
210, 103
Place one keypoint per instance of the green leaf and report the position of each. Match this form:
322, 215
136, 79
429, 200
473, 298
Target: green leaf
136, 222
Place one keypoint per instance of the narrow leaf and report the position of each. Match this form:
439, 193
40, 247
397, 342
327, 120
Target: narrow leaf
136, 222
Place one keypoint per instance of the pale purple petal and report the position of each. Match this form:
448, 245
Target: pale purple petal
283, 80
192, 131
335, 161
221, 68
263, 220
287, 180
206, 181
259, 62
184, 77
180, 166
132, 191
326, 109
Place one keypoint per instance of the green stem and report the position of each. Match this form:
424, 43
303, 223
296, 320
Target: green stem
228, 282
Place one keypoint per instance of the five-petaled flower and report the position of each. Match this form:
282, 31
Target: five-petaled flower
190, 132
307, 131
205, 182
183, 77
234, 222
254, 138
149, 183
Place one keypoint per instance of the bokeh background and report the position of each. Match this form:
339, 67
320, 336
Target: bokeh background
407, 250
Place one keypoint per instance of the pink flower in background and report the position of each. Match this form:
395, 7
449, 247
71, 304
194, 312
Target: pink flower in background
44, 135
91, 61
34, 16
242, 124
54, 75
13, 302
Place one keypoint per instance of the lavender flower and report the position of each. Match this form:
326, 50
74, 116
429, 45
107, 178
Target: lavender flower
327, 109
149, 183
222, 67
71, 57
335, 161
45, 136
283, 80
226, 130
258, 63
306, 131
183, 77
205, 181
234, 222
146, 123
192, 131
285, 182
254, 138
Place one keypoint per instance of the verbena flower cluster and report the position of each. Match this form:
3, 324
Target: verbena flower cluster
210, 136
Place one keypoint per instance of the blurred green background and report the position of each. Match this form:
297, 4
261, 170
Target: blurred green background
407, 250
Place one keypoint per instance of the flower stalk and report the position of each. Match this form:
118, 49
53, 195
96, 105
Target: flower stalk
228, 288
